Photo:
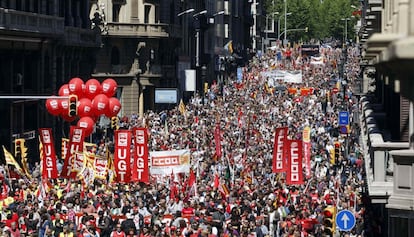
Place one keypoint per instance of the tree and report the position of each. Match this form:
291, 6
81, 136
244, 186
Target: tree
322, 17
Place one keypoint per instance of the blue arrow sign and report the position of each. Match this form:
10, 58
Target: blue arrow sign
345, 220
343, 118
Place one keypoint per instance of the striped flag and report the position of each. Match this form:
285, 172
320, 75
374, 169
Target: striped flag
181, 107
11, 161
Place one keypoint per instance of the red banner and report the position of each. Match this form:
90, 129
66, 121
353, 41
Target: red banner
122, 156
217, 140
49, 167
307, 150
294, 174
140, 170
278, 164
76, 138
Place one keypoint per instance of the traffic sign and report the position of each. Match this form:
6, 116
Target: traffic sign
343, 118
345, 220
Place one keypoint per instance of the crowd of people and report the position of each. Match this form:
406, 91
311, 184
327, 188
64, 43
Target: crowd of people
258, 202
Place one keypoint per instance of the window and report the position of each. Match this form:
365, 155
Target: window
147, 13
115, 12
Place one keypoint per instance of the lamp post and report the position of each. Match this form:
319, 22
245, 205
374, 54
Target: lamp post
197, 54
278, 23
197, 36
346, 29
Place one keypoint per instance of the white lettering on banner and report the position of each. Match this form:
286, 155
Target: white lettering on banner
165, 161
100, 162
49, 161
122, 139
122, 165
279, 155
45, 136
77, 135
140, 161
47, 147
140, 139
294, 157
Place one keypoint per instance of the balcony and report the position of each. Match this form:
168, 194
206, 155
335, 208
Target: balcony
38, 24
141, 30
379, 164
81, 37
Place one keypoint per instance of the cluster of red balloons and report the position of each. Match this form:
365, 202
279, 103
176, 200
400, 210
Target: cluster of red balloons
94, 99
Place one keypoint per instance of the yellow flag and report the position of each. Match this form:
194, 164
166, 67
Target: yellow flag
181, 107
11, 161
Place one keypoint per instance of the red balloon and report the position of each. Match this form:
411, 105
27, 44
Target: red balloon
100, 104
92, 88
68, 118
85, 107
52, 106
63, 106
114, 107
87, 124
76, 86
64, 90
109, 87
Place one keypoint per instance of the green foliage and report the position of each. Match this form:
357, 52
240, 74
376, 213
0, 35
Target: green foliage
324, 18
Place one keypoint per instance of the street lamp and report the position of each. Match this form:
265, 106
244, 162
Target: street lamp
185, 12
278, 24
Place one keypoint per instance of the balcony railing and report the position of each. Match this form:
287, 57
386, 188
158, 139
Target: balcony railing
31, 22
137, 30
378, 161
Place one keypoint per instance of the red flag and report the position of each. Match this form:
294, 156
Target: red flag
191, 178
122, 155
49, 166
217, 140
76, 138
173, 186
140, 170
278, 164
216, 181
294, 174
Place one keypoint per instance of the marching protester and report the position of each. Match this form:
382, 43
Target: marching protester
233, 165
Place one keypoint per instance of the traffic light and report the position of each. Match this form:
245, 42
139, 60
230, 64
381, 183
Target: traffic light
306, 29
17, 147
114, 123
329, 215
73, 105
337, 152
20, 149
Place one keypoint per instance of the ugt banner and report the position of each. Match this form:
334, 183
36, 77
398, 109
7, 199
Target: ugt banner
49, 167
122, 155
140, 170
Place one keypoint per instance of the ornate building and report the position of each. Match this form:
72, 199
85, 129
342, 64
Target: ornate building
43, 44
